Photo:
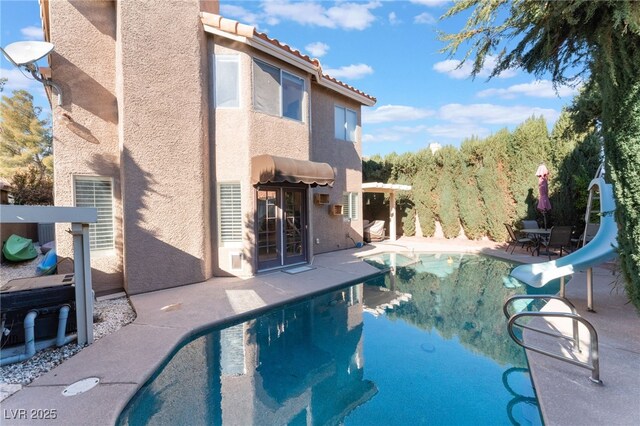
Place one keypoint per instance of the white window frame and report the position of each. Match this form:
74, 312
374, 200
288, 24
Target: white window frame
92, 226
351, 205
227, 57
345, 135
235, 239
292, 76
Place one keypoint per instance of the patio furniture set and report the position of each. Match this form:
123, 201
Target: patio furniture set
559, 238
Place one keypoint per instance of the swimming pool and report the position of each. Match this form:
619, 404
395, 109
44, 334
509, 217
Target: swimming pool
424, 344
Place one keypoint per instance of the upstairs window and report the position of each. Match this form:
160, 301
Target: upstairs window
345, 124
227, 81
277, 92
350, 205
97, 192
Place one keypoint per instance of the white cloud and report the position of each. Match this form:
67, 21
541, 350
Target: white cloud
317, 49
390, 113
406, 134
18, 81
32, 33
350, 72
384, 136
453, 69
431, 2
536, 89
458, 131
393, 19
424, 18
239, 13
344, 15
493, 114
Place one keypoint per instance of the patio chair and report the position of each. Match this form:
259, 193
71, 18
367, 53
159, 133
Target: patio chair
374, 231
515, 240
530, 224
560, 239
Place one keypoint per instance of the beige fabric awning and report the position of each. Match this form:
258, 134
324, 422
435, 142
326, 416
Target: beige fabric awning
272, 169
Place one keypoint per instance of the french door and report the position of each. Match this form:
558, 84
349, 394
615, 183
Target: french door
281, 226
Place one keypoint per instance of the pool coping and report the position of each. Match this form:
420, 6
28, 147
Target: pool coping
126, 359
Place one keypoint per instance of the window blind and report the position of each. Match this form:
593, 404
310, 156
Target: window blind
230, 212
97, 192
350, 205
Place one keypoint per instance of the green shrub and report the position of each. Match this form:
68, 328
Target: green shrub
31, 187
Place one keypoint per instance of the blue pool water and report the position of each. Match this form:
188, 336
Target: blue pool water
423, 344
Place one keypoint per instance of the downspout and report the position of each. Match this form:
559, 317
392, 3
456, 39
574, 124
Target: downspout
61, 338
29, 340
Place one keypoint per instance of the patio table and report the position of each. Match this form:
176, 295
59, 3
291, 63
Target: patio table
537, 235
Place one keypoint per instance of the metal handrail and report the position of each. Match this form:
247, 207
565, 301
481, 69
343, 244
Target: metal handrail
575, 339
593, 347
505, 307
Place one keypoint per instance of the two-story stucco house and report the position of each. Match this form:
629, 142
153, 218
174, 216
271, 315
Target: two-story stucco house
209, 148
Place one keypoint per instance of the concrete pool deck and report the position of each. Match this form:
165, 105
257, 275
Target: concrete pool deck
126, 359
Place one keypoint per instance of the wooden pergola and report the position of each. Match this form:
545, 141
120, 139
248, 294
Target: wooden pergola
391, 189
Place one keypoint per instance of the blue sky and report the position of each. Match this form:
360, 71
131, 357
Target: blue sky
388, 49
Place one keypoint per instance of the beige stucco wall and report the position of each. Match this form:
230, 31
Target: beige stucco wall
164, 151
230, 159
346, 159
85, 127
138, 109
242, 133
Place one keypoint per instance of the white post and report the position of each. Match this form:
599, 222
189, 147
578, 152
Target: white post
82, 273
88, 284
392, 215
590, 290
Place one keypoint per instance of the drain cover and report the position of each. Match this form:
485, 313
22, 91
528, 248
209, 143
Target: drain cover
81, 386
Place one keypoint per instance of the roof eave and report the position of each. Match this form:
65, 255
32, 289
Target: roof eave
290, 58
364, 100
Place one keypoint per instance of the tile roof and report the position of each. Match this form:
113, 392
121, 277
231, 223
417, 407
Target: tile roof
236, 28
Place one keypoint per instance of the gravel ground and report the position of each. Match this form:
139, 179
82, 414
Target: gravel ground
109, 316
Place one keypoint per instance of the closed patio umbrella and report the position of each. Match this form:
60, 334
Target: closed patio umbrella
544, 205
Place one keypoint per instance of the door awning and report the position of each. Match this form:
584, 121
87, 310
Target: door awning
272, 169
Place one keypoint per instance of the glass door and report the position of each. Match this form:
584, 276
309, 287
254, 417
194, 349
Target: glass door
281, 228
294, 226
267, 229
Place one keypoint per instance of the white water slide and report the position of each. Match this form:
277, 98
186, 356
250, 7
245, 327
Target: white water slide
601, 249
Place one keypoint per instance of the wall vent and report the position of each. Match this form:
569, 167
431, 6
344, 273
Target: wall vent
236, 261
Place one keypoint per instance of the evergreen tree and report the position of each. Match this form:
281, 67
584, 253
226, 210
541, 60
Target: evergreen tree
528, 147
424, 197
446, 160
600, 38
375, 169
472, 213
25, 139
493, 183
575, 157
